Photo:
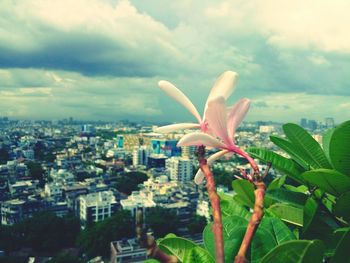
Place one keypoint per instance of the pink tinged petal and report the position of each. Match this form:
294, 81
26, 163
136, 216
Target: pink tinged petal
223, 86
181, 98
237, 114
217, 117
198, 179
197, 138
175, 127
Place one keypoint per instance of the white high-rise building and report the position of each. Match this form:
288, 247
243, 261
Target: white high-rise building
179, 169
140, 155
188, 151
95, 207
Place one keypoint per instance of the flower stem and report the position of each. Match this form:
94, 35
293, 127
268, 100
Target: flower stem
215, 204
254, 222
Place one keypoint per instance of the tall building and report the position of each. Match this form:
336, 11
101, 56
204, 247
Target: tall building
140, 155
120, 141
303, 123
188, 151
166, 147
179, 169
95, 207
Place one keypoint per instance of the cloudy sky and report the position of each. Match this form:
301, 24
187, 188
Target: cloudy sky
102, 59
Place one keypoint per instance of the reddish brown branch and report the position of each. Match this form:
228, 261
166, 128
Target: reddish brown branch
254, 222
258, 213
215, 204
147, 241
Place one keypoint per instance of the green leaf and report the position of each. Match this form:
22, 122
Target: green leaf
230, 207
326, 140
309, 149
288, 213
245, 191
330, 181
152, 261
279, 230
285, 196
262, 243
276, 183
342, 206
339, 146
176, 246
342, 249
282, 164
198, 255
233, 229
294, 152
296, 251
300, 189
310, 209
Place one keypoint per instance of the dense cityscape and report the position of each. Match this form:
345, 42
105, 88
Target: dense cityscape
81, 174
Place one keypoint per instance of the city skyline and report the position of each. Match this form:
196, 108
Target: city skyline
102, 59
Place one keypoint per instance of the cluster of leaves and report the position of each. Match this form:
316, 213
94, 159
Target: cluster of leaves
307, 210
128, 182
95, 239
162, 221
43, 232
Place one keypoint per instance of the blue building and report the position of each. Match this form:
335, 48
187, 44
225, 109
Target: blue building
166, 147
120, 140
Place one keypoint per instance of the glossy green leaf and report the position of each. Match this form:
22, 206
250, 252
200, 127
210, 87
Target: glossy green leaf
230, 207
276, 183
284, 196
296, 251
198, 255
151, 261
326, 139
342, 206
330, 181
233, 229
288, 213
309, 149
310, 209
278, 229
245, 191
339, 146
262, 243
342, 249
282, 164
176, 246
294, 152
299, 189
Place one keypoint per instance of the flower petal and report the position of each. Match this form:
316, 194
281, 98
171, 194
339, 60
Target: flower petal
216, 117
198, 178
223, 87
177, 126
198, 138
181, 98
235, 117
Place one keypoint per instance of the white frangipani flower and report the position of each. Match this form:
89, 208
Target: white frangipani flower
223, 87
223, 125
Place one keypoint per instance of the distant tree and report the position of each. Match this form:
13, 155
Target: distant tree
162, 221
44, 232
36, 171
65, 258
95, 239
223, 178
4, 155
128, 182
47, 232
197, 224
